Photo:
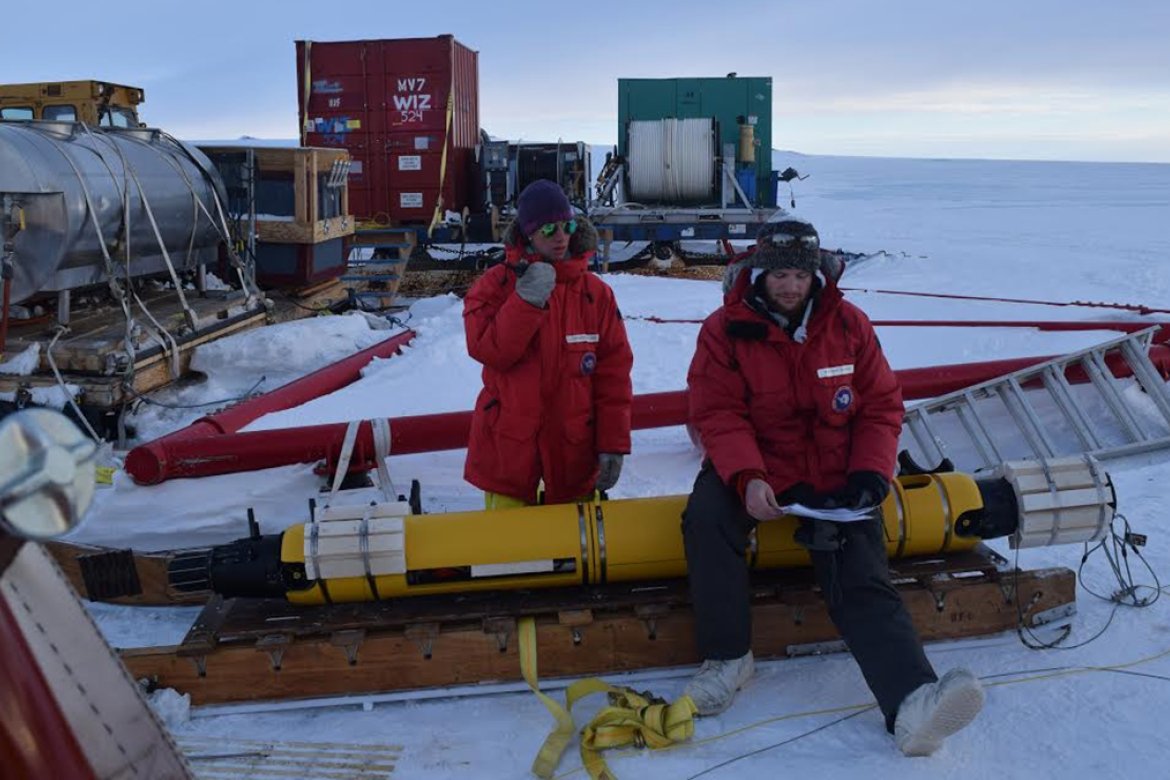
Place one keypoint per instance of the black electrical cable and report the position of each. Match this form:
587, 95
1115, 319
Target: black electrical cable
782, 743
1115, 548
153, 402
810, 732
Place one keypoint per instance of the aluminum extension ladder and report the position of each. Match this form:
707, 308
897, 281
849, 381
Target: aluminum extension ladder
1004, 418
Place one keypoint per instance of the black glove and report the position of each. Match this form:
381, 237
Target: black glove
862, 489
818, 535
609, 468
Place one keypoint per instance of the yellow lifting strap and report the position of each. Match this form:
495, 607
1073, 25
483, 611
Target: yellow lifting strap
631, 718
438, 215
306, 122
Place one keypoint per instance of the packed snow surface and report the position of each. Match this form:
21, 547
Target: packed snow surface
1060, 232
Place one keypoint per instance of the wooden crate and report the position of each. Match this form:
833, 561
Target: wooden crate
305, 164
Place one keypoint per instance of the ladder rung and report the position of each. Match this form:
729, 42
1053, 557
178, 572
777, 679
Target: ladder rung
923, 434
987, 433
377, 261
1027, 419
977, 431
370, 278
1066, 401
1102, 378
1148, 377
395, 245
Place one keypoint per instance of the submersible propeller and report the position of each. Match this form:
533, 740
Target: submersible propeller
381, 551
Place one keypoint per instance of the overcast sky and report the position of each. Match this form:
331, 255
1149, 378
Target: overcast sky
1024, 79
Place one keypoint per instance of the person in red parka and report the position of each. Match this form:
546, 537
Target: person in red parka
794, 402
556, 398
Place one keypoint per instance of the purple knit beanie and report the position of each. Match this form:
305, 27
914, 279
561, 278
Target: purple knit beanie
541, 202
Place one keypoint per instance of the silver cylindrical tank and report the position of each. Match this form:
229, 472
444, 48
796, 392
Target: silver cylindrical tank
55, 172
672, 160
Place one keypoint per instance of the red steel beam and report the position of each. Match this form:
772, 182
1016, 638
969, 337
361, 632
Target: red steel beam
231, 453
1162, 335
321, 382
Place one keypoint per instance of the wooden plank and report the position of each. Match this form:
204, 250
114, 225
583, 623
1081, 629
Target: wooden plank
312, 189
85, 358
301, 211
383, 235
282, 159
306, 302
97, 332
274, 231
462, 653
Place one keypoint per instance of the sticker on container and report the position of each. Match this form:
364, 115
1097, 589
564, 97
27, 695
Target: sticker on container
410, 162
422, 142
737, 229
353, 124
355, 167
687, 233
410, 200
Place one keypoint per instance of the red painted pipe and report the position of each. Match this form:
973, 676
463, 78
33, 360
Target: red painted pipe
249, 451
231, 453
1136, 307
1045, 325
150, 458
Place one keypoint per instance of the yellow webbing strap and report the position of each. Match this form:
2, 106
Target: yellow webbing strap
631, 717
308, 89
443, 161
558, 739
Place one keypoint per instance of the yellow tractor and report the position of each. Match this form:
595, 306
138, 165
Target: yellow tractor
92, 102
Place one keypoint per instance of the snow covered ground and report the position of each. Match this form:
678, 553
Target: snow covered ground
1043, 231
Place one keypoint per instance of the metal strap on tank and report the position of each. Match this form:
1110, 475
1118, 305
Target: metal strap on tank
948, 526
314, 528
600, 518
364, 546
1100, 485
1053, 491
584, 544
900, 510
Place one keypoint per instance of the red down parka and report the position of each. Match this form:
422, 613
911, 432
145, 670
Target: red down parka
556, 381
807, 412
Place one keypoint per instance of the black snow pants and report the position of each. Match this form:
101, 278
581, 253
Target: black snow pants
855, 582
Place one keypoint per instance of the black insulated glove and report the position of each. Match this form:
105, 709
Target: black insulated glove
609, 468
863, 489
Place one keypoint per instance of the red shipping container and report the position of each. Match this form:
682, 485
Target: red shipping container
408, 112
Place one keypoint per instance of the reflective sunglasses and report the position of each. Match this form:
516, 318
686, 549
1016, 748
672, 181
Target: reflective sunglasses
549, 229
787, 239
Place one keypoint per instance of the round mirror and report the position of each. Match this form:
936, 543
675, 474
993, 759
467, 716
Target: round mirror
47, 468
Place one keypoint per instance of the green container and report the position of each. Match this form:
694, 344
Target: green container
725, 99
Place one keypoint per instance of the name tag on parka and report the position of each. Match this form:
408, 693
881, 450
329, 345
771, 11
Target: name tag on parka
831, 371
588, 338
